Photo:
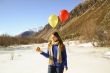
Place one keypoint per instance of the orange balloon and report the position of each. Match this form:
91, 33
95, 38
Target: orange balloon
64, 15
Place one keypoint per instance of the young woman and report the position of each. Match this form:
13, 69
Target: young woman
56, 53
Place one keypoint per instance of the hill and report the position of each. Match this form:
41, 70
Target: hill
89, 21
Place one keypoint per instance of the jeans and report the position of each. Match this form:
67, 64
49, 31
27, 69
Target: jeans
53, 69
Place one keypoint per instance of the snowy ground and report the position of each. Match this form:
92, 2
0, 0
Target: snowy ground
82, 58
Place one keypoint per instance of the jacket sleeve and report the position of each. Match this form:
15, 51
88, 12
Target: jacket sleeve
64, 58
45, 54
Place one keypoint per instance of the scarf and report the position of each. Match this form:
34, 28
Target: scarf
59, 57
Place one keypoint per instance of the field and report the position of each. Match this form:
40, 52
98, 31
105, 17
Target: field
82, 58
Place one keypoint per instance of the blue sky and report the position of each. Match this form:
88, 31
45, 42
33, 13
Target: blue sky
17, 16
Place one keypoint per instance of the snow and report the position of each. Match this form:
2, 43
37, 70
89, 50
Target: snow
107, 54
79, 44
86, 45
82, 58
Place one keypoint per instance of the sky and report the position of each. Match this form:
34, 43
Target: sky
17, 16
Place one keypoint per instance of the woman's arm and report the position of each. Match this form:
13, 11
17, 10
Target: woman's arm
64, 56
45, 54
42, 53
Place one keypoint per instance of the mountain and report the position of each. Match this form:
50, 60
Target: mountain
89, 21
31, 32
28, 33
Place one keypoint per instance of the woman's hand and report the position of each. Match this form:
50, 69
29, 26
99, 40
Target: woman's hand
38, 50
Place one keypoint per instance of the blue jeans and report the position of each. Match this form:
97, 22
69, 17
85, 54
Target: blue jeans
53, 69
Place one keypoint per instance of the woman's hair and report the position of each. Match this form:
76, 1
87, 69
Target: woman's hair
58, 37
56, 34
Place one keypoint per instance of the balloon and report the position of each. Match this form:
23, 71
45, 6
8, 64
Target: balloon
53, 20
64, 15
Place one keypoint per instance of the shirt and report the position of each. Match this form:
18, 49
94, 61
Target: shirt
63, 54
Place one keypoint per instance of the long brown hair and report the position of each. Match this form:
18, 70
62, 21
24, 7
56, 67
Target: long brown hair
59, 40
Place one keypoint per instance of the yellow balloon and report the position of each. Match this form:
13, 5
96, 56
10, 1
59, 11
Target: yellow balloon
53, 20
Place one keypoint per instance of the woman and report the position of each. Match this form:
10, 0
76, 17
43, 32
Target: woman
56, 53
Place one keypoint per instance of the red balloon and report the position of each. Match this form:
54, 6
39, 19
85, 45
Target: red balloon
64, 15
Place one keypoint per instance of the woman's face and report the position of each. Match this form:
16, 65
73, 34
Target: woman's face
54, 38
